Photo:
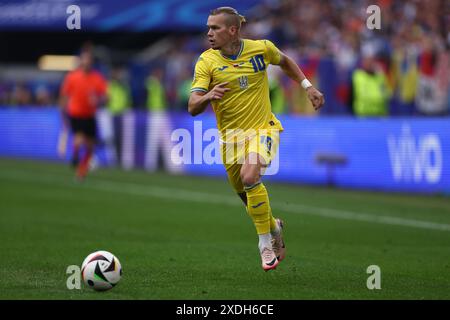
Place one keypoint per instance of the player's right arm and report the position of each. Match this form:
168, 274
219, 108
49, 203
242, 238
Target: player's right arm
64, 92
63, 102
200, 96
199, 100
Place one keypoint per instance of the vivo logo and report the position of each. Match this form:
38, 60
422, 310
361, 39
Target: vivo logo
415, 158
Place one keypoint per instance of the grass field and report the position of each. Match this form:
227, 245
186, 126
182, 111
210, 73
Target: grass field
184, 237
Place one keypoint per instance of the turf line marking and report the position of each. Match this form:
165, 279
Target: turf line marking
202, 197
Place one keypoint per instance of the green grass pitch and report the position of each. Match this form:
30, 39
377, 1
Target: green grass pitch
181, 237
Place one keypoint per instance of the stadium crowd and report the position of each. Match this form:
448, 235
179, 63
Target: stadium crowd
402, 68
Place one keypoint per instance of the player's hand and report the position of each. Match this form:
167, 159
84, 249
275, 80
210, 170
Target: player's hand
316, 98
218, 91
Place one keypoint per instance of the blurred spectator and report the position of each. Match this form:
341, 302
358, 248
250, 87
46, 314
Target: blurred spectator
276, 91
184, 90
119, 96
370, 91
159, 131
277, 96
43, 96
156, 93
432, 91
4, 94
404, 77
21, 95
119, 101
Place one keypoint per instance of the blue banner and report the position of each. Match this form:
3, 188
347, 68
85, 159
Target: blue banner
391, 154
398, 154
103, 15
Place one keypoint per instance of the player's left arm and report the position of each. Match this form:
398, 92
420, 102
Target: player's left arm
293, 71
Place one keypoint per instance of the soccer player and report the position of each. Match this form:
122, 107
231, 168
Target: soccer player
82, 91
232, 76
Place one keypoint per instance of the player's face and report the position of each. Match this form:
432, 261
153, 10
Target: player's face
219, 34
86, 60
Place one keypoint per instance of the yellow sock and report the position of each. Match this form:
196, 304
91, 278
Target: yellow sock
273, 223
258, 207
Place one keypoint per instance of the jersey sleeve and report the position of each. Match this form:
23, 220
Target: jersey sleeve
272, 52
202, 76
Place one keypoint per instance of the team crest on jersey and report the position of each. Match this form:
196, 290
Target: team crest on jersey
267, 142
243, 82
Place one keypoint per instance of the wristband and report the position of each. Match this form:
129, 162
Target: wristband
306, 84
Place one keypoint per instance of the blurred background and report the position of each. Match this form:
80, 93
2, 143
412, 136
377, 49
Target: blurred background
147, 50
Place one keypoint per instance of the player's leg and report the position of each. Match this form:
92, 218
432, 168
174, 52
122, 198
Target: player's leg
77, 140
77, 143
230, 157
89, 139
258, 207
243, 197
266, 145
83, 166
234, 172
261, 151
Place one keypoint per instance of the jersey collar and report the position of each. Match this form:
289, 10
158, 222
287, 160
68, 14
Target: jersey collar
234, 57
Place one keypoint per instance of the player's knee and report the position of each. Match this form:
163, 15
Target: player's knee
249, 178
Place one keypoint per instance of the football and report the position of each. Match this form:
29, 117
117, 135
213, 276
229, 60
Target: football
101, 270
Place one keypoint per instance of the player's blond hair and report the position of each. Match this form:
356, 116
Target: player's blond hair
234, 18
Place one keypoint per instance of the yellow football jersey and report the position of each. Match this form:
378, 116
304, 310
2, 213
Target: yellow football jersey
247, 105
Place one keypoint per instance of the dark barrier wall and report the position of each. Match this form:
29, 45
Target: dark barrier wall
397, 154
